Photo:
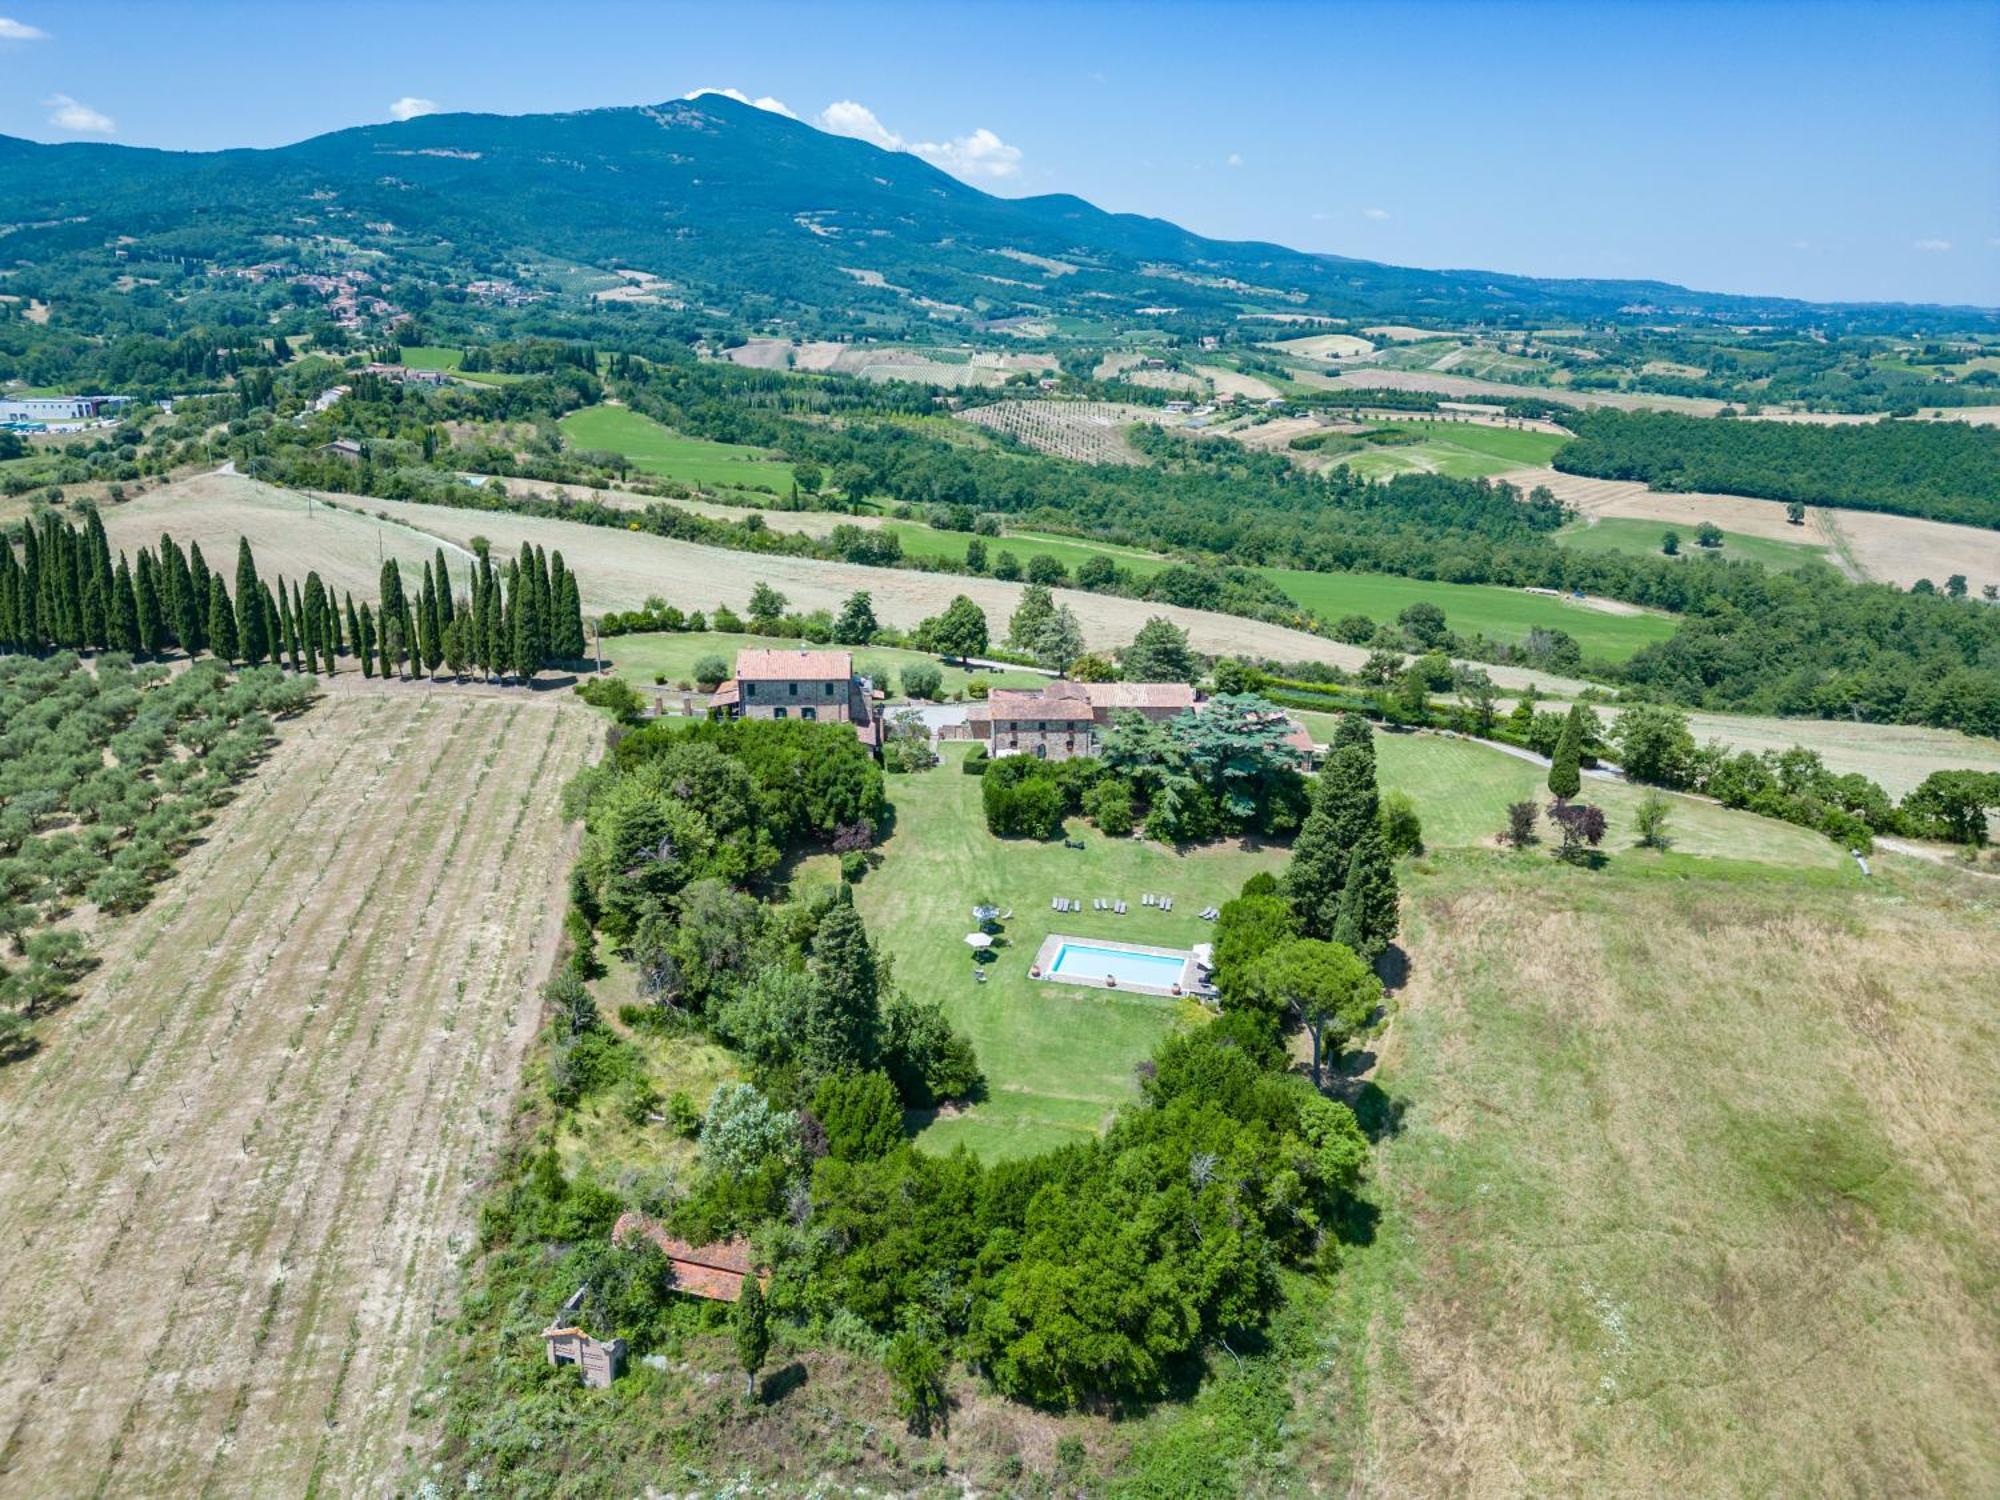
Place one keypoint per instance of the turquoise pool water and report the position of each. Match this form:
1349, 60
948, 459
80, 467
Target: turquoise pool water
1082, 961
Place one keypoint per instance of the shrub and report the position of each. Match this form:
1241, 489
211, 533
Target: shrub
1650, 821
1109, 805
1520, 824
976, 761
1402, 830
922, 679
853, 865
709, 672
861, 1115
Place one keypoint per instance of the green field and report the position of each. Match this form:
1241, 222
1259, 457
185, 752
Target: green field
1462, 789
1642, 538
436, 357
1058, 1058
1462, 450
654, 449
1504, 614
637, 658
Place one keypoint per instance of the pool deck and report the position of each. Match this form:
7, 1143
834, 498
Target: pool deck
1045, 957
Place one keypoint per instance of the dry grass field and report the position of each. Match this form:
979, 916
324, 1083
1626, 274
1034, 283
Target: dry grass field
1891, 549
1369, 377
235, 1181
1689, 1190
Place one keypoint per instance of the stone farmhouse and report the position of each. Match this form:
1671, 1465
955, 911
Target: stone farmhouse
804, 684
1067, 719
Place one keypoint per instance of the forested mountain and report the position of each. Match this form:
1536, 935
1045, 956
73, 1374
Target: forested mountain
738, 207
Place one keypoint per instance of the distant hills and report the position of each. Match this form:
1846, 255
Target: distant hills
749, 209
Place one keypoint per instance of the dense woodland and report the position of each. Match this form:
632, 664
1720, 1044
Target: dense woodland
1946, 471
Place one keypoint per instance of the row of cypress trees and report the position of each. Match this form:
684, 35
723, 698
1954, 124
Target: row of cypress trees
65, 593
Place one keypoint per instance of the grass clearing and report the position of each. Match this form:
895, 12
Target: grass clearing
637, 658
654, 449
1642, 539
1462, 450
1058, 1058
1502, 614
1688, 1189
237, 1177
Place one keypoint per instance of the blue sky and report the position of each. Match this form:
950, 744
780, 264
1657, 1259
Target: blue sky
1825, 151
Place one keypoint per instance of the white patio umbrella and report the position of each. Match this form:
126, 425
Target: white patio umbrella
978, 940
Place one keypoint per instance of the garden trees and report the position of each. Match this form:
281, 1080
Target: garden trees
1649, 820
1708, 534
1402, 829
1424, 623
861, 1114
1326, 985
1370, 904
916, 1365
1344, 804
1237, 749
767, 607
1024, 626
1058, 640
1654, 745
1565, 765
923, 679
841, 1034
710, 672
1159, 653
1582, 826
960, 631
855, 625
1248, 928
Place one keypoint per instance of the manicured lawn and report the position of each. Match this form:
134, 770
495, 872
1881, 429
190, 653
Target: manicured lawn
1463, 450
1462, 789
1642, 539
1504, 614
654, 449
436, 357
638, 657
1058, 1058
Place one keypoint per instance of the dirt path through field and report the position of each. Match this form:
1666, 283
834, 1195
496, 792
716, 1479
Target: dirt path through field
235, 1178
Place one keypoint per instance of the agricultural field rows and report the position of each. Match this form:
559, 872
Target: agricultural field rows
1091, 432
237, 1177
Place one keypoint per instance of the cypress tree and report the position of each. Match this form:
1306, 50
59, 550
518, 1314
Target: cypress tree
390, 603
574, 645
10, 599
1344, 805
1368, 901
183, 602
198, 576
364, 638
447, 611
27, 605
284, 636
125, 608
221, 621
274, 633
253, 635
148, 620
427, 647
353, 630
1565, 774
545, 610
99, 586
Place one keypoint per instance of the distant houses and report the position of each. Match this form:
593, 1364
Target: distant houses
1068, 719
36, 412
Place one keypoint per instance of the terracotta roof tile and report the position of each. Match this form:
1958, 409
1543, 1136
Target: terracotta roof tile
758, 664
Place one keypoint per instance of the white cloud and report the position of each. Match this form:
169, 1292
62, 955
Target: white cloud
68, 114
980, 154
1235, 159
1802, 244
1937, 247
1377, 214
845, 117
12, 30
410, 106
775, 106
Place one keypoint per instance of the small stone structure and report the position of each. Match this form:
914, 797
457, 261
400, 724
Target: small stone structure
599, 1361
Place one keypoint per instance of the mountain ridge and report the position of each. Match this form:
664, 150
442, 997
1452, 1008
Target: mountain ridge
738, 202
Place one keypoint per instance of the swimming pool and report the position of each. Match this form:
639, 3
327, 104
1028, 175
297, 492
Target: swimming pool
1090, 963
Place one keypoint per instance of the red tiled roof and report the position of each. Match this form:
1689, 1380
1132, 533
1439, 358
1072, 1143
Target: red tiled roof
760, 665
1013, 705
713, 1271
1116, 695
724, 695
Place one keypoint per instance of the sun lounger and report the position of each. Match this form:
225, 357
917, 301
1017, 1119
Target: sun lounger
1147, 899
1166, 903
1119, 908
1055, 903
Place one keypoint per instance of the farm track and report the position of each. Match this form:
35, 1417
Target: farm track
233, 1181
